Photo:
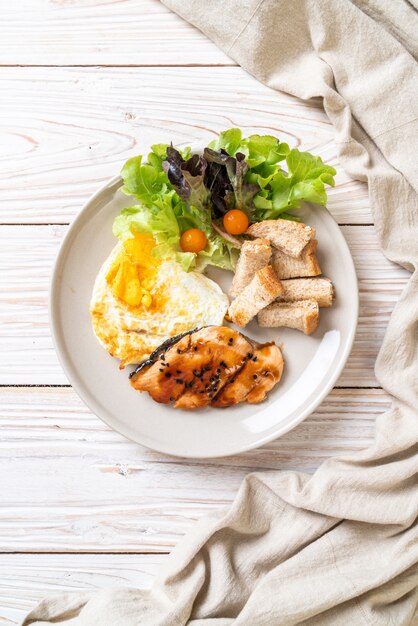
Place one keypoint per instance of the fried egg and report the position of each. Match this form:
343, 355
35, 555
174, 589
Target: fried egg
139, 301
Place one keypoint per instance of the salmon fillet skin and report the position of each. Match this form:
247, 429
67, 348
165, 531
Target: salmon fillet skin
211, 366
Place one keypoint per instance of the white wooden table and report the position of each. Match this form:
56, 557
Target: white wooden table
85, 84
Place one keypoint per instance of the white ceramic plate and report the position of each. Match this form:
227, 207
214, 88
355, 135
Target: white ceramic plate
312, 364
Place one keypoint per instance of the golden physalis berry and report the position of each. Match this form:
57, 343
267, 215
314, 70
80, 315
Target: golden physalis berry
235, 222
193, 240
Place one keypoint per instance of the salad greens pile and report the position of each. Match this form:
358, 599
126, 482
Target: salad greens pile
177, 191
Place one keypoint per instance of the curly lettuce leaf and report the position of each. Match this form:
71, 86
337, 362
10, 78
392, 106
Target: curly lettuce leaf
190, 181
161, 223
233, 192
164, 226
280, 190
142, 180
164, 214
176, 191
187, 178
158, 154
304, 180
229, 140
258, 150
219, 252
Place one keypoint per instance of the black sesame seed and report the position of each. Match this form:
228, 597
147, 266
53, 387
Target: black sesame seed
162, 357
178, 371
171, 399
167, 375
218, 371
255, 376
195, 348
179, 381
249, 355
178, 351
255, 359
161, 369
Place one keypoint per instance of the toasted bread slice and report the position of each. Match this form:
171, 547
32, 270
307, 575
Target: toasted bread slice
285, 235
307, 264
261, 291
255, 254
319, 289
302, 315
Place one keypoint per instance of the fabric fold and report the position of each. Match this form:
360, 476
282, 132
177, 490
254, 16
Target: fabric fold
340, 547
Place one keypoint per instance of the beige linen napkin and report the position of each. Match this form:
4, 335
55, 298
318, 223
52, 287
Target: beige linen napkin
339, 548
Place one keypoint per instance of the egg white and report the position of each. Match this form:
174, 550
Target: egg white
185, 300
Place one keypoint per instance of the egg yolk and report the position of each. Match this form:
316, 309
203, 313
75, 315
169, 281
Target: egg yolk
131, 275
139, 249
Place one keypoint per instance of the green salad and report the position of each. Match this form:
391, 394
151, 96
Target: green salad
197, 206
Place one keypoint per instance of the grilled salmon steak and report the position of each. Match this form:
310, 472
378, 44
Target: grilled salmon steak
215, 366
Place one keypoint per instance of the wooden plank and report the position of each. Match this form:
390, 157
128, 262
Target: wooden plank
70, 484
65, 131
132, 32
26, 256
27, 578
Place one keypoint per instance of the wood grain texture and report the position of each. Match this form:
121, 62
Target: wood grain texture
26, 257
65, 131
67, 482
71, 484
101, 32
27, 578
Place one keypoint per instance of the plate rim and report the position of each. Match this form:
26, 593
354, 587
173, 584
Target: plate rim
89, 399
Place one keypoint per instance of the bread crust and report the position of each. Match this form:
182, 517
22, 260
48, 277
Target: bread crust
255, 254
263, 289
306, 265
319, 289
302, 315
285, 235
